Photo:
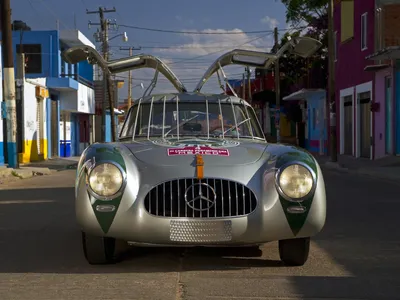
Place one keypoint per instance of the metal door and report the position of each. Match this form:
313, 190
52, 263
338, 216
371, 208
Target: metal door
348, 125
364, 100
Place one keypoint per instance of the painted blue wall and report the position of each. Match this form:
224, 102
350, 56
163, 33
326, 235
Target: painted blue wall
315, 101
397, 116
85, 70
51, 54
50, 47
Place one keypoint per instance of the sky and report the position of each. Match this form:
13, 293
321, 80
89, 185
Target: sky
188, 55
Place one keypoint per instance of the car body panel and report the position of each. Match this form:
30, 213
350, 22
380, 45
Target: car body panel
131, 222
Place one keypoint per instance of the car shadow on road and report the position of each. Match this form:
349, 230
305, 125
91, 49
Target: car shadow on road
38, 234
361, 236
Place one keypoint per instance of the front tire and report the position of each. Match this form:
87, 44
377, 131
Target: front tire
98, 250
294, 252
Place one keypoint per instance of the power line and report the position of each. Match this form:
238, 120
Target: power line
202, 33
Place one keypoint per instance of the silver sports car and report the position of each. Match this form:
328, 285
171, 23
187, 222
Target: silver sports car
194, 169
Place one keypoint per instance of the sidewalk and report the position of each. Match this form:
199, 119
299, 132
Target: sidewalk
385, 168
59, 164
47, 167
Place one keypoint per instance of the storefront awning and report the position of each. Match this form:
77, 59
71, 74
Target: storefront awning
302, 94
375, 68
391, 53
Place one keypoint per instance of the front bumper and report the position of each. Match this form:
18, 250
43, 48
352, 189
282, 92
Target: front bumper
135, 225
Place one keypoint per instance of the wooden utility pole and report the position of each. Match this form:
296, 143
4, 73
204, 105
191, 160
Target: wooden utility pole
331, 105
129, 75
277, 87
108, 85
249, 84
9, 85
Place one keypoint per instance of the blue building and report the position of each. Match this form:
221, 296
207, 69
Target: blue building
64, 96
313, 105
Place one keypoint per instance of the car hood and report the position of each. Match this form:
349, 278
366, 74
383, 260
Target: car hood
177, 152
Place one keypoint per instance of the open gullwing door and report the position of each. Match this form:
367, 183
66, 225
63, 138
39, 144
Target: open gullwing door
76, 54
301, 46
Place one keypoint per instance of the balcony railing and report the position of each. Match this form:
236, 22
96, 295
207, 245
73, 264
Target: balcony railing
79, 78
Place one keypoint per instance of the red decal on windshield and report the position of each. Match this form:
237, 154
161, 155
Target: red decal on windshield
202, 150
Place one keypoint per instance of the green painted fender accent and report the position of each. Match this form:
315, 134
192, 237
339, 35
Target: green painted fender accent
101, 153
296, 221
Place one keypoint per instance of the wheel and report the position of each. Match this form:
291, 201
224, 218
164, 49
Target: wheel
98, 250
294, 252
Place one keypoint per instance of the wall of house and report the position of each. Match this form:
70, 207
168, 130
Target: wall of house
391, 32
380, 116
1, 117
48, 40
35, 146
350, 64
316, 123
397, 107
350, 77
80, 101
85, 70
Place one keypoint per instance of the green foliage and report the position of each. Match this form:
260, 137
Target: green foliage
298, 11
299, 14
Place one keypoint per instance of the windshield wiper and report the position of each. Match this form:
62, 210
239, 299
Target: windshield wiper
183, 123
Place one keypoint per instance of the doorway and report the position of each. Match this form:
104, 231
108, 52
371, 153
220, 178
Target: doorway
364, 100
388, 115
348, 124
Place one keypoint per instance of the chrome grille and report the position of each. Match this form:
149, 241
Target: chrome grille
200, 231
231, 199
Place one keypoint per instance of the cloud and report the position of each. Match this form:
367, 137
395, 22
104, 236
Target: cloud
271, 22
190, 59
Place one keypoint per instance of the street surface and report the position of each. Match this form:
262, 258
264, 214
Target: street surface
357, 256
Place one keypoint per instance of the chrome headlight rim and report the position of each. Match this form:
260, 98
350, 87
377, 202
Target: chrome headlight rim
110, 197
279, 173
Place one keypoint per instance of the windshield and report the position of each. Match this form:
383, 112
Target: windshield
190, 119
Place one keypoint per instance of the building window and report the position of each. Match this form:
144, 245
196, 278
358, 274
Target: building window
335, 45
347, 20
33, 57
364, 31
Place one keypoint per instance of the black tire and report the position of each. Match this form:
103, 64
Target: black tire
294, 252
98, 250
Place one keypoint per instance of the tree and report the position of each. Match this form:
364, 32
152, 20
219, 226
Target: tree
313, 15
305, 11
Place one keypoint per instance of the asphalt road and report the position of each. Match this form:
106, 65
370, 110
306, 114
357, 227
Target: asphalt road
357, 256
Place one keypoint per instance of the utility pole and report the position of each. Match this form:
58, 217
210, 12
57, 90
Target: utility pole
9, 85
244, 87
107, 82
129, 74
331, 105
248, 83
277, 88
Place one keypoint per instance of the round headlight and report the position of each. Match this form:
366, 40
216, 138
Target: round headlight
296, 181
105, 179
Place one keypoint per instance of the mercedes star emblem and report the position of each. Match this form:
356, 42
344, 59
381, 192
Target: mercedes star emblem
200, 196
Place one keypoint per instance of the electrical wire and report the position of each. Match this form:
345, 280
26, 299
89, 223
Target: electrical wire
201, 32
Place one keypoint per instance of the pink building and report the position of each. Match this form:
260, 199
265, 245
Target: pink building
365, 93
